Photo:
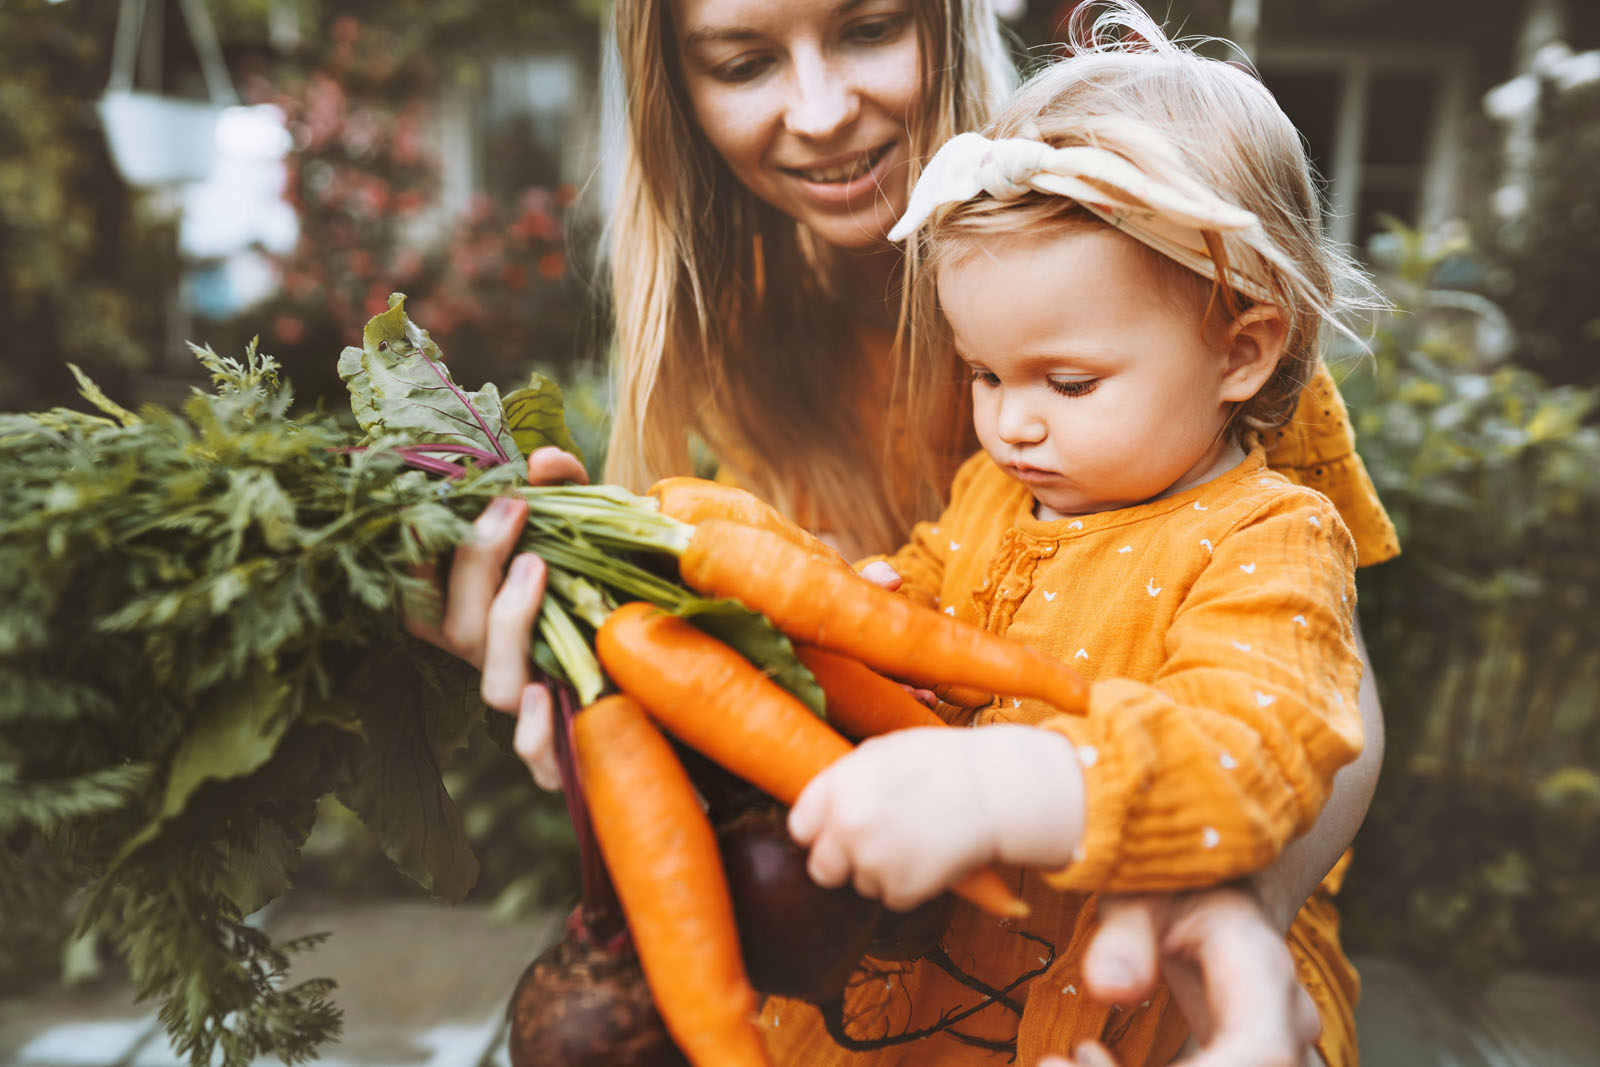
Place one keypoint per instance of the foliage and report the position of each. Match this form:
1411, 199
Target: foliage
1542, 264
495, 285
1483, 845
199, 644
82, 272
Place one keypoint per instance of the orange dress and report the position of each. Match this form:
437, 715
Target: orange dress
1215, 626
1315, 449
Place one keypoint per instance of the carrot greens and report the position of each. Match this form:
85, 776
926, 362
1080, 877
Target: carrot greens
201, 636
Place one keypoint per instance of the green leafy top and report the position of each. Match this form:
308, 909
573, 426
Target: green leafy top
399, 386
200, 639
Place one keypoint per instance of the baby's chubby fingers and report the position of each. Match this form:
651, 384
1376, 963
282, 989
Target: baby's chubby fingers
879, 572
810, 810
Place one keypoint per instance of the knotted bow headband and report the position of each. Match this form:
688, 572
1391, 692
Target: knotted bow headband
1169, 217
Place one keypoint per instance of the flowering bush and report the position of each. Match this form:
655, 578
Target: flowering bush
494, 285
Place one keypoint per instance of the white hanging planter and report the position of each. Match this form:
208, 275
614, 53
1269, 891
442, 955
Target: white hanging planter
158, 140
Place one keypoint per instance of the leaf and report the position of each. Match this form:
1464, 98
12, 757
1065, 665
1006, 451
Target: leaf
258, 862
399, 385
537, 416
398, 792
757, 640
237, 733
93, 394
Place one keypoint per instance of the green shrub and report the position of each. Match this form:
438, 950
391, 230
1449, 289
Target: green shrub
1482, 849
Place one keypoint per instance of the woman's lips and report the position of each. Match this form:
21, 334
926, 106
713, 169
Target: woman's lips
846, 182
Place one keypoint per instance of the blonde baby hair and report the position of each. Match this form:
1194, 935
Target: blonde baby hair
728, 327
1123, 86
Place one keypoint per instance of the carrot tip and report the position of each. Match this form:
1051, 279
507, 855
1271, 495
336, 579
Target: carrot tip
1015, 909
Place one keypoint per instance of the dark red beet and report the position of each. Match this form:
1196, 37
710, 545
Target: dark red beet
908, 935
582, 1005
799, 939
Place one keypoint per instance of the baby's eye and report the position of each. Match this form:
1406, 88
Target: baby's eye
983, 377
1074, 386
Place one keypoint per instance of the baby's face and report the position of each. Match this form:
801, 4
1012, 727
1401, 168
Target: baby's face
1090, 384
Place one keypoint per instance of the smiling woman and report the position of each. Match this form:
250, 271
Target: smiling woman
810, 109
770, 149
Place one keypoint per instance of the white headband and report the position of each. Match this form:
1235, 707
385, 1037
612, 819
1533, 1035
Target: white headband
1168, 217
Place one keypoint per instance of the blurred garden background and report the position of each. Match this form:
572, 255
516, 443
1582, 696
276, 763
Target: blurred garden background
454, 150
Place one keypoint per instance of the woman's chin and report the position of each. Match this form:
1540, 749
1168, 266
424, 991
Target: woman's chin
866, 231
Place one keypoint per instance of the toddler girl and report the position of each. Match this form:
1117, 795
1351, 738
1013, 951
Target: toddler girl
1129, 263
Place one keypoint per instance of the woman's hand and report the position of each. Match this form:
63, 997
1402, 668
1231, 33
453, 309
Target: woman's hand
488, 614
1227, 966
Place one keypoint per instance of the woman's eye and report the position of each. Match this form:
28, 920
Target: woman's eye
742, 69
876, 30
1074, 386
983, 377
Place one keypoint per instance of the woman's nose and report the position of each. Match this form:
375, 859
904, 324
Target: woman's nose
823, 101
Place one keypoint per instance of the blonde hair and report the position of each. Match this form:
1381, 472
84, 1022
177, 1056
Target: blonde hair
1123, 86
728, 329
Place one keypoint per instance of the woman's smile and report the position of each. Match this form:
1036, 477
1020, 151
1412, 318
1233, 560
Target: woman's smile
843, 181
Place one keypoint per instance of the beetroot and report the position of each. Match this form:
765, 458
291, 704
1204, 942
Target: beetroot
909, 935
586, 1005
799, 939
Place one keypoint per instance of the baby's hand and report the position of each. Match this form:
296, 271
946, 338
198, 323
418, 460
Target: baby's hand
905, 815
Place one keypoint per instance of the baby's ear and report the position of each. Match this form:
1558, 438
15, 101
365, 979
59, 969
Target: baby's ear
1252, 349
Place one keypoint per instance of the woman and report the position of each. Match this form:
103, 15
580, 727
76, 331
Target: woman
771, 145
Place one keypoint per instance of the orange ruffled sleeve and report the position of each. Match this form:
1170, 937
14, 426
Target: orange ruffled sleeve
1317, 448
1204, 773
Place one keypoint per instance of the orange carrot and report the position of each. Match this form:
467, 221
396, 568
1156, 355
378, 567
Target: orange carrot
663, 858
812, 600
862, 702
714, 701
694, 500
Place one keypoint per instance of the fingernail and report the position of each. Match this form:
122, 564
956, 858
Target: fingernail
1117, 973
522, 570
494, 516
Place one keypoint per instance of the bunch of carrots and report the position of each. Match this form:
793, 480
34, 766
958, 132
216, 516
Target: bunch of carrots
657, 842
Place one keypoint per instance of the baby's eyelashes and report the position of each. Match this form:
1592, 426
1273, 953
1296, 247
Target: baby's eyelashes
1074, 386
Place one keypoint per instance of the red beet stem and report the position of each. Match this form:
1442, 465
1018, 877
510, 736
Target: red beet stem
602, 913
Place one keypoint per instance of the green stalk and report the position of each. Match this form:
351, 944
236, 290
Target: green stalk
571, 651
567, 552
608, 516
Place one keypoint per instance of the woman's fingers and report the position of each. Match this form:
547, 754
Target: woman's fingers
1124, 955
551, 466
1222, 953
509, 624
534, 739
421, 607
475, 573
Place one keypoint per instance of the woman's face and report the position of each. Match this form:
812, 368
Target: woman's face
809, 103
